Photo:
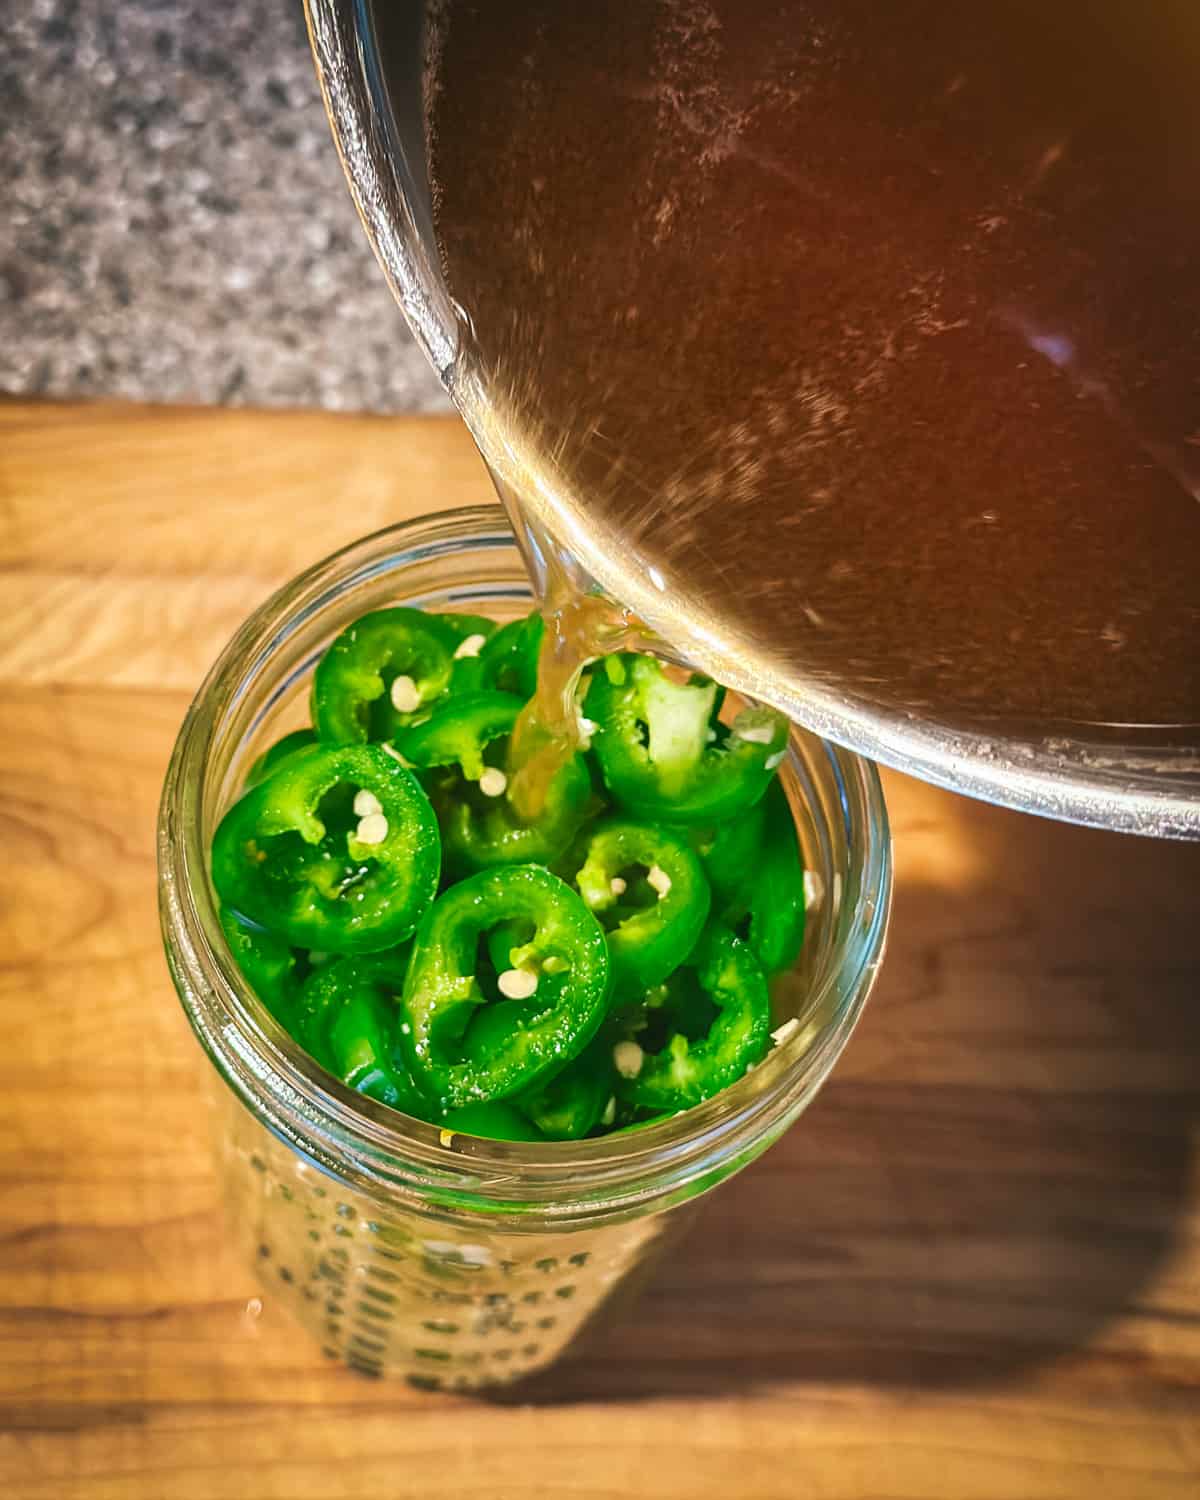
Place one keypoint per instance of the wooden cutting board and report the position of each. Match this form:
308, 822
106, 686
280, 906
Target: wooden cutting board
972, 1271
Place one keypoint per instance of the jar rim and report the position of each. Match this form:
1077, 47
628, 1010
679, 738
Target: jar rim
368, 1145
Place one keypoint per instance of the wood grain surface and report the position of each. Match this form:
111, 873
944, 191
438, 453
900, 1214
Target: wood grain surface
972, 1271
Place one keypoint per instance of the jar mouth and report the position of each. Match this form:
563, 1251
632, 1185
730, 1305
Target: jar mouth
366, 1144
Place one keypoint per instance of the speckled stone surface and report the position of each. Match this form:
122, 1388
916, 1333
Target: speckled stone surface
173, 221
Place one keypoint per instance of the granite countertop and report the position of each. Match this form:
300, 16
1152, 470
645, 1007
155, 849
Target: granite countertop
175, 226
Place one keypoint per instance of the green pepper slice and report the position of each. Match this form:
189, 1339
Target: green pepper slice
685, 1070
481, 828
346, 1018
770, 904
756, 870
729, 853
469, 634
459, 731
660, 753
382, 672
496, 1120
465, 1044
510, 657
306, 856
570, 1105
648, 888
267, 963
276, 754
464, 627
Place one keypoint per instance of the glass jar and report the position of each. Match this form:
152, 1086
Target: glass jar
451, 1261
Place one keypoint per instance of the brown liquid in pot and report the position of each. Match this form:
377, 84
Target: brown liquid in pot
875, 329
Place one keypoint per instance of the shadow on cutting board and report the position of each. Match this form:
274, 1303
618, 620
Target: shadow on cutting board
996, 1171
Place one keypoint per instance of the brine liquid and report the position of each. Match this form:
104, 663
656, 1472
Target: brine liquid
870, 332
549, 729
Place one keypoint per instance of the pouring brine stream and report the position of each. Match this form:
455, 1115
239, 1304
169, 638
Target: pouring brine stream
856, 347
550, 728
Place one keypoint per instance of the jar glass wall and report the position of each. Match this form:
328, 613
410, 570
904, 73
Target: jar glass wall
474, 1262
